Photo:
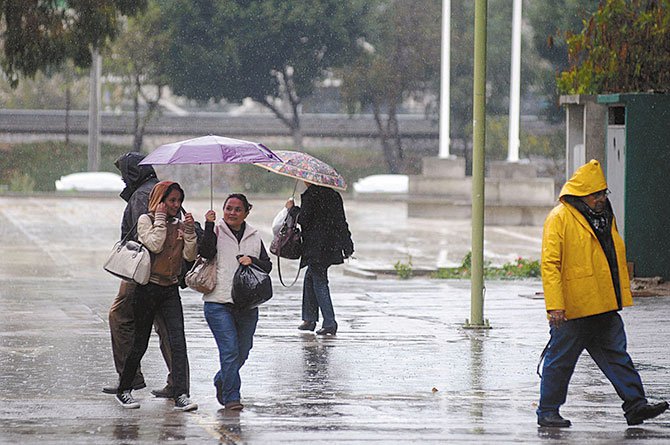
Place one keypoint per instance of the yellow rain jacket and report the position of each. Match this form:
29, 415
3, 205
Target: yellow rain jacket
575, 274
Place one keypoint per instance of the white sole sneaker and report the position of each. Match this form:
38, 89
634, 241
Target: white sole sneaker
133, 405
189, 407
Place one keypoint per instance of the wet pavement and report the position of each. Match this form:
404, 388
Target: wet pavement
401, 370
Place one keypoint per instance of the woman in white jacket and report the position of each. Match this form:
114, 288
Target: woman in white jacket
233, 242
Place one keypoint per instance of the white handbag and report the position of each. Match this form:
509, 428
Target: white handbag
130, 261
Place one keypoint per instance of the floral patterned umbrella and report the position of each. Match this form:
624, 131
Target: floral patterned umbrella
306, 168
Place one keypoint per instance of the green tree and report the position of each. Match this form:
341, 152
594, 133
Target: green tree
38, 35
550, 23
271, 51
399, 62
623, 47
134, 57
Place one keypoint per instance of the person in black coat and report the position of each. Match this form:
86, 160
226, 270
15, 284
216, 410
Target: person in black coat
326, 241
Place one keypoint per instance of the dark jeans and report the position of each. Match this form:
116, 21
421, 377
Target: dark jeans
233, 331
604, 338
122, 330
316, 294
148, 301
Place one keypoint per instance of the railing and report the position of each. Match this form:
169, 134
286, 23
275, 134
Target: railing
313, 125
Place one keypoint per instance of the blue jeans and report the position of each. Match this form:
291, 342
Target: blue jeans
316, 294
604, 338
149, 300
233, 331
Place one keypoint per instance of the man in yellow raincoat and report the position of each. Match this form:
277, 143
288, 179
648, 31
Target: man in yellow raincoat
586, 283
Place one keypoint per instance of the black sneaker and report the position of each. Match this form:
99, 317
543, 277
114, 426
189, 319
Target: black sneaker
126, 400
183, 403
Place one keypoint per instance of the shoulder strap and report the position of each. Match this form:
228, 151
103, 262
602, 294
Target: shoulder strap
125, 238
281, 280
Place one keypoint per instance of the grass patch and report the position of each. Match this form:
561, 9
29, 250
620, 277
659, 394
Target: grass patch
516, 270
36, 166
404, 270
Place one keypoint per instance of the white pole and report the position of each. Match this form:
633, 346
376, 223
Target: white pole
445, 80
94, 113
515, 86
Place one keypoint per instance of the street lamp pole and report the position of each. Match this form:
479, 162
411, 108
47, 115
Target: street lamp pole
479, 134
515, 86
445, 80
94, 113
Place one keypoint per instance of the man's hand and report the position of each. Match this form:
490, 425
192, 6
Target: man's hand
556, 318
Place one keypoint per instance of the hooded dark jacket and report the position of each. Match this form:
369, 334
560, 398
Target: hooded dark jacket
139, 179
325, 232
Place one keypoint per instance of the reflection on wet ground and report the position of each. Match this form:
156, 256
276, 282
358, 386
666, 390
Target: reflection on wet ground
401, 369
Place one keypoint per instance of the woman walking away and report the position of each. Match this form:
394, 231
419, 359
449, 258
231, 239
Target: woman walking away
169, 240
326, 241
232, 242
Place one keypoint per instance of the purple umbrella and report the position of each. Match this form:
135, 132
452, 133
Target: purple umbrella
211, 150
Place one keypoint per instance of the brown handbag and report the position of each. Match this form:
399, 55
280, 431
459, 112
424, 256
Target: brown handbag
202, 276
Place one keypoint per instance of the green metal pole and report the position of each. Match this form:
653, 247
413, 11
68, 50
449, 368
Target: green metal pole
479, 135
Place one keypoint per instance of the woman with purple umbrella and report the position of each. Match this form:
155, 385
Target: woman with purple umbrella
326, 241
232, 242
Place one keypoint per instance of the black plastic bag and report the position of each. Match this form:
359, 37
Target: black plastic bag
251, 287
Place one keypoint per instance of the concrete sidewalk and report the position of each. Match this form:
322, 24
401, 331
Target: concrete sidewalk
401, 369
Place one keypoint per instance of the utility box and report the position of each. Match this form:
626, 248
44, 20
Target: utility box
584, 131
637, 165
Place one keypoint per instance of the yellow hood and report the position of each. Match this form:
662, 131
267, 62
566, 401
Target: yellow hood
589, 178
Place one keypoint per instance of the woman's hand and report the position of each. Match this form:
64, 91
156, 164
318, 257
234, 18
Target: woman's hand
289, 203
210, 216
188, 219
161, 208
245, 260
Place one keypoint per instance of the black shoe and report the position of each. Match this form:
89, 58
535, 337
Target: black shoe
113, 389
645, 412
219, 392
164, 393
553, 420
307, 326
183, 403
126, 400
327, 331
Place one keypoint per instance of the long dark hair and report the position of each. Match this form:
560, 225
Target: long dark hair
241, 197
171, 187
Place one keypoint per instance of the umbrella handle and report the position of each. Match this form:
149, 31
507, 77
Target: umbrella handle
295, 186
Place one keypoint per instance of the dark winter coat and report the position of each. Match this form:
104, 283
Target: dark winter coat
325, 232
139, 179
